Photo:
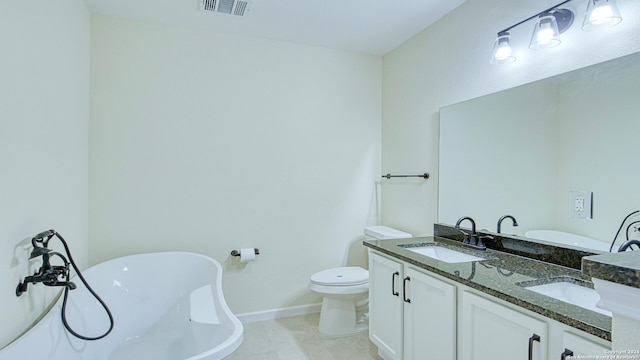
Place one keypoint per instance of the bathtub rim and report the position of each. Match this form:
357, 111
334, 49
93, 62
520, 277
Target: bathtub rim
564, 238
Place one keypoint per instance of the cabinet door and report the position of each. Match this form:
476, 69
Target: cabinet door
574, 345
491, 331
385, 306
429, 317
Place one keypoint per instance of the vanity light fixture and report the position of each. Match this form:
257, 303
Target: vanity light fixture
549, 26
502, 52
601, 13
552, 22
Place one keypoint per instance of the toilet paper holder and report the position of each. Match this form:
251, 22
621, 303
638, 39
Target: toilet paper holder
237, 252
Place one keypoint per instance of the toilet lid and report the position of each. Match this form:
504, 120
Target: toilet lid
341, 276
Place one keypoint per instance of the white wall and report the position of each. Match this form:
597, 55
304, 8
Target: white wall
208, 143
44, 111
448, 63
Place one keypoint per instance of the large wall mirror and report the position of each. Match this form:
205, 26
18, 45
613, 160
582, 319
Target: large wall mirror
521, 151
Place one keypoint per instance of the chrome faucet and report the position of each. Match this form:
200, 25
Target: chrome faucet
627, 244
471, 240
515, 223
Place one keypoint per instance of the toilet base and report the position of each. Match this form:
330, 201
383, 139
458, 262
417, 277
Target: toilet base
339, 317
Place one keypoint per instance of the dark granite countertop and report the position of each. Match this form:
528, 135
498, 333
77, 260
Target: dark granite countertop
622, 268
500, 275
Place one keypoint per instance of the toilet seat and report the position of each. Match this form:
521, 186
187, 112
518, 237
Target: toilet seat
341, 276
351, 280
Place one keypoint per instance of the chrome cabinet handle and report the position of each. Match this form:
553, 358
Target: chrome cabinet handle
393, 284
404, 289
533, 338
566, 353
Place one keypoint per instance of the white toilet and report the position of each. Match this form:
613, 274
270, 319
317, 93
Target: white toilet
345, 289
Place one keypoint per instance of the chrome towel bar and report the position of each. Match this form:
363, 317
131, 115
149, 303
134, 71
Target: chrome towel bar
389, 176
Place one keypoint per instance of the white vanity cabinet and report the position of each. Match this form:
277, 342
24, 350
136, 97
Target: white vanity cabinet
386, 306
412, 315
491, 331
415, 315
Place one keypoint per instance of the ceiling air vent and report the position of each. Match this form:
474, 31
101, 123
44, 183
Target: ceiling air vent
231, 7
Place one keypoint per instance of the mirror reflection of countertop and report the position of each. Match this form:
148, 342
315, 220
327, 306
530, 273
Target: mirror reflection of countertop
503, 276
621, 268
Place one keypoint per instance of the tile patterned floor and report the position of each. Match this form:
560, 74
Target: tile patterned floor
297, 338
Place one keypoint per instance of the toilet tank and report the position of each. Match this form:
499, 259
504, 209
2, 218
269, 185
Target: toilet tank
384, 232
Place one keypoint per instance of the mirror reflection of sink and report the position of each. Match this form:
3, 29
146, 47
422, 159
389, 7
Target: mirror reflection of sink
569, 290
441, 253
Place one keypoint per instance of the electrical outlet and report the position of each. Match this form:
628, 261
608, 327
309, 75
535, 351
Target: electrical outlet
581, 204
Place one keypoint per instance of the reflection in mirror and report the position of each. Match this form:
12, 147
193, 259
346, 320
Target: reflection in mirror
521, 151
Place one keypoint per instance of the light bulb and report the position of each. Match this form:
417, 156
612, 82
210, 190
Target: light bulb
502, 52
545, 33
601, 13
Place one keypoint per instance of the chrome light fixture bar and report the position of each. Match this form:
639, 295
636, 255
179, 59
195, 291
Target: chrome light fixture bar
552, 22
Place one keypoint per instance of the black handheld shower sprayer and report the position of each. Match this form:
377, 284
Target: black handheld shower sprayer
628, 242
47, 274
58, 275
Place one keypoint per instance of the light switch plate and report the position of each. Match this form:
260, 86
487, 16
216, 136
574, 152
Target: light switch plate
581, 204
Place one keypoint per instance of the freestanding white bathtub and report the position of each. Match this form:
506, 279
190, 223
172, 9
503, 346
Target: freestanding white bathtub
166, 306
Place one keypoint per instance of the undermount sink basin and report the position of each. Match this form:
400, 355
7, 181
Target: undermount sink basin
441, 253
570, 291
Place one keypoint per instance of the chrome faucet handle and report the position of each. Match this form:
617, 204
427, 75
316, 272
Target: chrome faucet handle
467, 238
480, 243
484, 235
477, 241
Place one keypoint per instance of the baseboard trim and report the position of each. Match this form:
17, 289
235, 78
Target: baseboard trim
278, 313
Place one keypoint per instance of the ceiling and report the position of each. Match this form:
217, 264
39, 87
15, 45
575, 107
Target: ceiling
367, 26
